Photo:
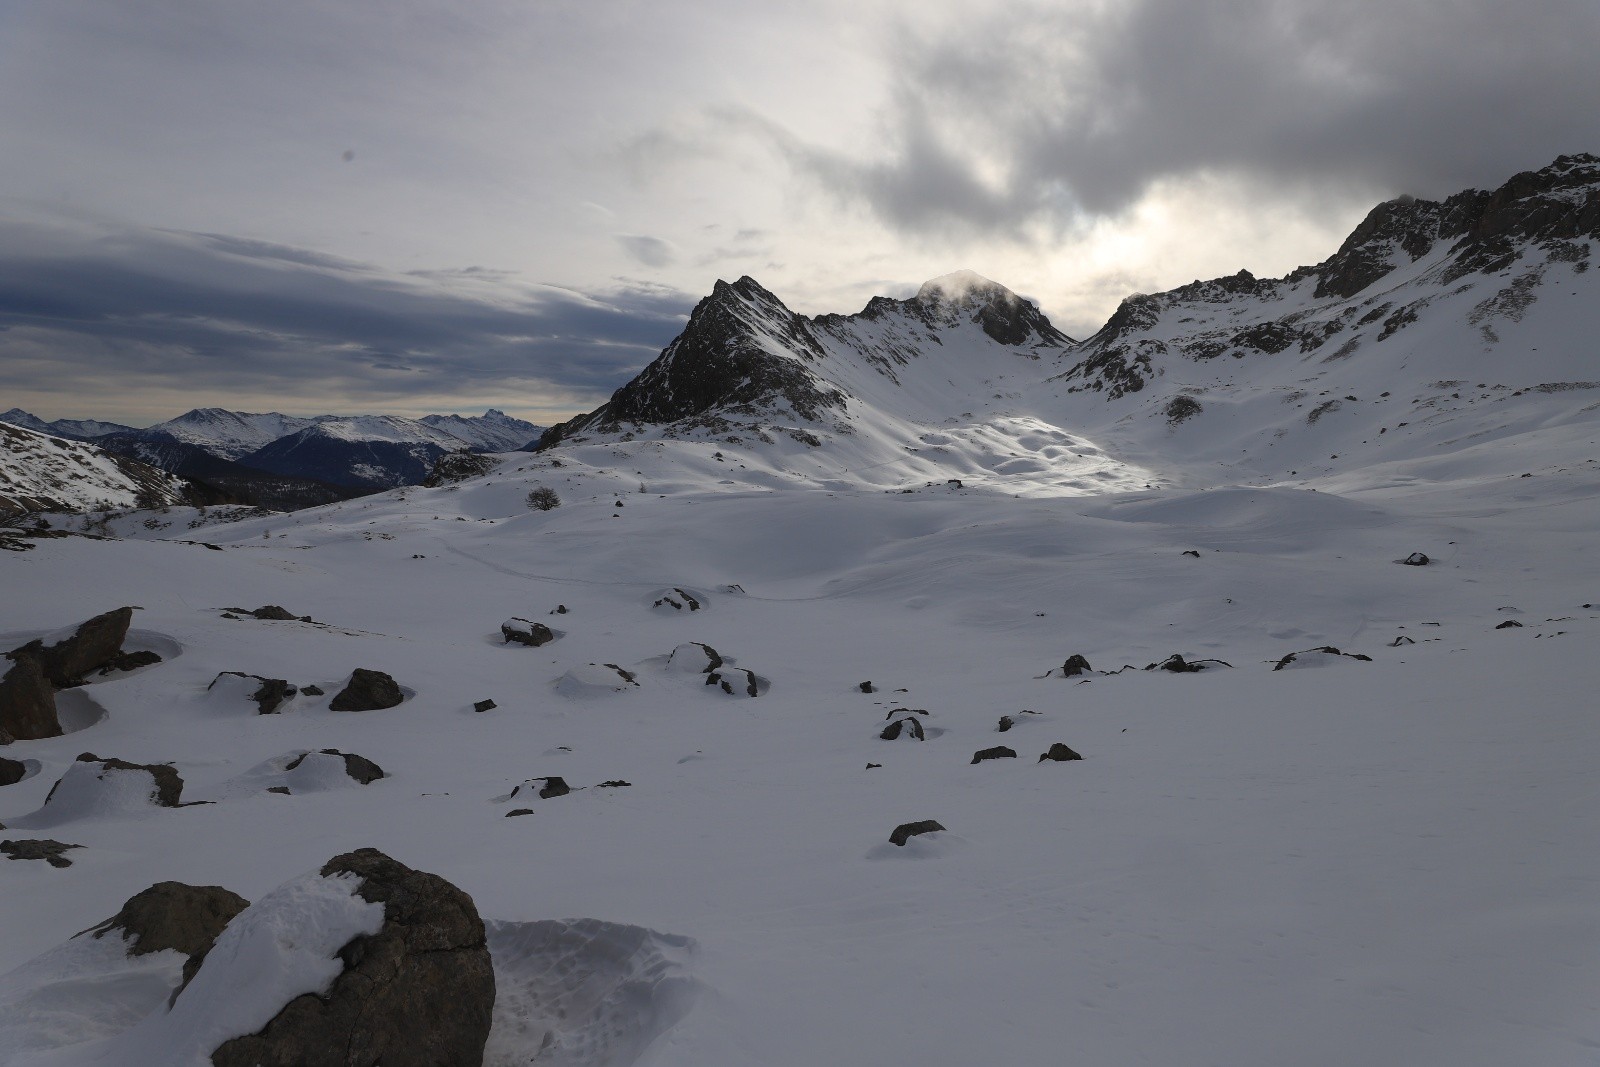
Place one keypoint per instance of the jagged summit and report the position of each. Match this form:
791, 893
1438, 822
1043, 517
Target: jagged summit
744, 354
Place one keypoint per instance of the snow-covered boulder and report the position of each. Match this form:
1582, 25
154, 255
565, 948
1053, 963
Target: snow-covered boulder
675, 600
526, 632
94, 787
367, 690
694, 658
908, 728
270, 695
736, 681
1317, 657
595, 679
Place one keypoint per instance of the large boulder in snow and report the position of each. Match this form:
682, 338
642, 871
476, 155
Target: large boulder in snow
27, 701
52, 852
90, 645
1059, 753
417, 992
694, 658
526, 632
109, 786
735, 681
172, 915
1075, 666
997, 752
367, 691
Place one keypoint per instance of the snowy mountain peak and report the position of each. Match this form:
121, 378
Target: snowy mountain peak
965, 289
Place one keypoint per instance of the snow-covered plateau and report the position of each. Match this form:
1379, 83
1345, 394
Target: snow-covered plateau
672, 800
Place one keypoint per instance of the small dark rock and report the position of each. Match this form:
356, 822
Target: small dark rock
1176, 664
367, 691
554, 787
907, 830
1402, 640
1508, 624
873, 766
998, 752
1060, 753
484, 705
1074, 666
519, 811
1006, 723
911, 727
129, 661
312, 690
283, 789
615, 783
1416, 559
172, 915
1191, 552
360, 768
867, 687
270, 695
38, 849
561, 609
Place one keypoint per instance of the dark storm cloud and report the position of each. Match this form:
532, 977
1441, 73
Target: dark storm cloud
1049, 114
214, 314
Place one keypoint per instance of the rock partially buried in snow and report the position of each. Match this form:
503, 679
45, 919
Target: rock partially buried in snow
270, 694
52, 852
544, 788
678, 600
694, 658
1416, 559
414, 989
27, 701
526, 632
1059, 753
997, 752
595, 679
93, 786
908, 727
1176, 664
735, 681
1317, 657
89, 646
1074, 666
367, 691
358, 768
1402, 640
907, 830
174, 916
12, 771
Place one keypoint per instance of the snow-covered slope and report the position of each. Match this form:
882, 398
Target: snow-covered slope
43, 473
229, 434
368, 451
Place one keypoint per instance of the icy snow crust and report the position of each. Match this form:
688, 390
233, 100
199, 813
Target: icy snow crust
1378, 862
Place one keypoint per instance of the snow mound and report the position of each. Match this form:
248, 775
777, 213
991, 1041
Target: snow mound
595, 679
584, 993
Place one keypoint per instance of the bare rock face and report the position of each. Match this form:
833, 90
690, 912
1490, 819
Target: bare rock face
94, 644
27, 701
52, 852
418, 993
907, 830
367, 691
172, 915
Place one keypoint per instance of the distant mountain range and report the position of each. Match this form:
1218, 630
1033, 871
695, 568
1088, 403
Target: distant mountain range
283, 461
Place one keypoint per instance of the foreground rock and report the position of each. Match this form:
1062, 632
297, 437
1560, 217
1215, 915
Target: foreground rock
92, 645
12, 771
367, 691
175, 916
907, 830
417, 993
37, 670
27, 701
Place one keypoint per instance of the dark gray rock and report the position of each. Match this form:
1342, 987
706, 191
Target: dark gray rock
526, 632
615, 783
734, 681
1402, 640
129, 661
554, 787
12, 771
484, 705
909, 726
1006, 723
360, 768
27, 701
866, 687
678, 600
311, 690
998, 752
273, 612
1416, 559
38, 849
1508, 624
418, 993
514, 812
1060, 753
91, 646
1075, 666
907, 830
1176, 664
172, 915
367, 691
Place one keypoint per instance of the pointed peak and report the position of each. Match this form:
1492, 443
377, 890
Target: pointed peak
963, 288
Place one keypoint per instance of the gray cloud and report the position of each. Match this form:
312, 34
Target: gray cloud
223, 319
1047, 114
650, 251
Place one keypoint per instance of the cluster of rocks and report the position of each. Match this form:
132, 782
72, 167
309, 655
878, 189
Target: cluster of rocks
38, 671
267, 613
366, 690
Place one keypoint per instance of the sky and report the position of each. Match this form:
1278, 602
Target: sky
426, 206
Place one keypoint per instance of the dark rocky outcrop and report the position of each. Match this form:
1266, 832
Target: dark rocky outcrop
273, 612
52, 852
27, 701
1059, 753
1074, 666
909, 726
484, 705
695, 657
998, 752
1006, 723
514, 812
907, 830
526, 632
1416, 559
457, 467
678, 600
866, 687
357, 767
367, 691
91, 646
418, 993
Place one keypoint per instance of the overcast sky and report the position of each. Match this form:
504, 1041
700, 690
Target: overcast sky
443, 206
